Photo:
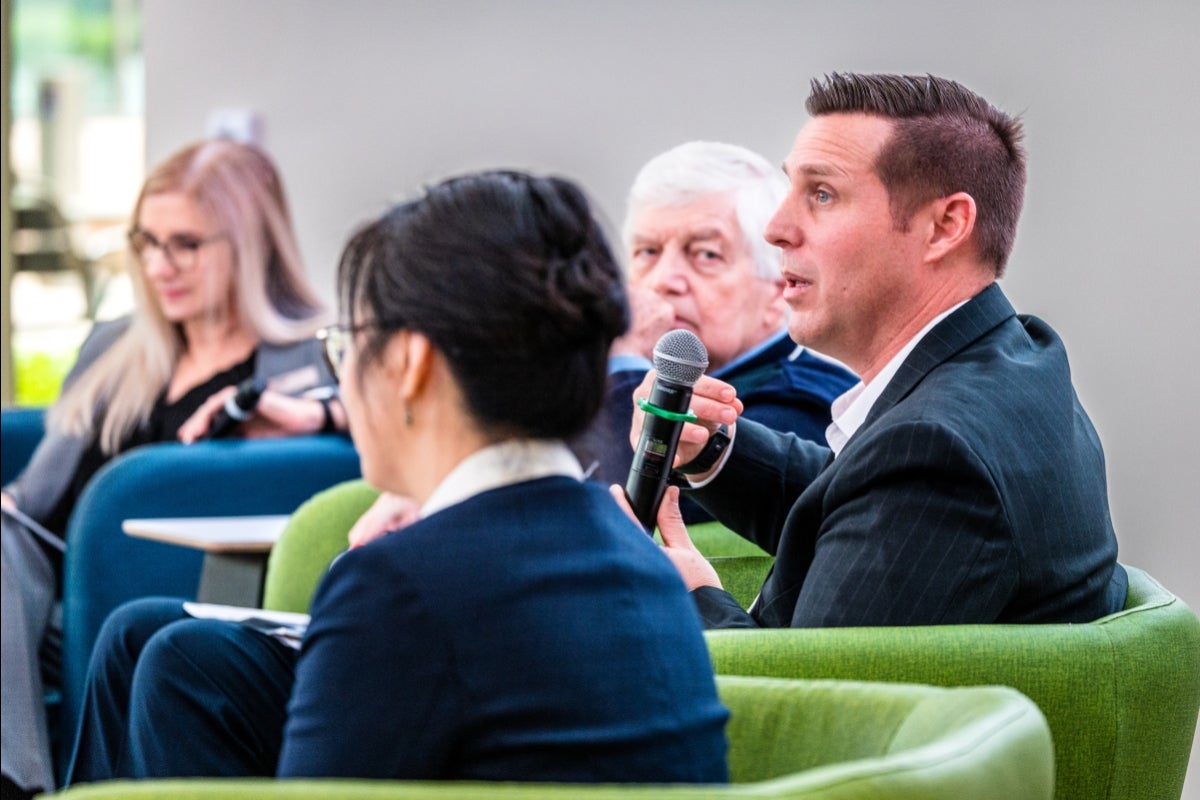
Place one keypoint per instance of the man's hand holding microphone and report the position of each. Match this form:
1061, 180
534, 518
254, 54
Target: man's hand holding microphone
700, 430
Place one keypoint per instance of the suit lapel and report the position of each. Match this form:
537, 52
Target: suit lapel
980, 314
976, 317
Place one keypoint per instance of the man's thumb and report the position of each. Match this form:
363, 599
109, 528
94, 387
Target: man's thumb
670, 521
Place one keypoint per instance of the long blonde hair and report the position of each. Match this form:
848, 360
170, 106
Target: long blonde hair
239, 185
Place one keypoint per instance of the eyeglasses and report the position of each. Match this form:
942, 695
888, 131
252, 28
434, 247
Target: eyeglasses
180, 249
336, 341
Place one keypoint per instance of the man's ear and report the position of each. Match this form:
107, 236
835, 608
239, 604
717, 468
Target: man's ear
951, 223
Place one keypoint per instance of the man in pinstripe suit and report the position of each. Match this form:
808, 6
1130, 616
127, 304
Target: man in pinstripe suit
963, 481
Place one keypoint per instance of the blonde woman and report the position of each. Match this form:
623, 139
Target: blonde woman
221, 298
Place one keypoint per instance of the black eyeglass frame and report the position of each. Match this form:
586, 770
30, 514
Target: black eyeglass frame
181, 250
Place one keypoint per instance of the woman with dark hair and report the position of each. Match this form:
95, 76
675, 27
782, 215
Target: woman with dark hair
523, 627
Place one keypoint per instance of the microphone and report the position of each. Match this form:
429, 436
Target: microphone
679, 360
236, 409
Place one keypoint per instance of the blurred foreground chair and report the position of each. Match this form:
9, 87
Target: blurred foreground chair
817, 740
104, 567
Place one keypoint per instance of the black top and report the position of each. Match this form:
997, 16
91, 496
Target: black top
162, 426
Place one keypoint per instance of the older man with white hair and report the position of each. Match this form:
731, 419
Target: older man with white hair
697, 260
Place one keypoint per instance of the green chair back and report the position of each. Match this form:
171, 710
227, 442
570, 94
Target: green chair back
742, 576
716, 541
314, 535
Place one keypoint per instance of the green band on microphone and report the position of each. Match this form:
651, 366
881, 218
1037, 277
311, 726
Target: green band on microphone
673, 416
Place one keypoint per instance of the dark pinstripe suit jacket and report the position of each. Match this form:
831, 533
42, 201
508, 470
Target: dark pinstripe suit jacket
974, 491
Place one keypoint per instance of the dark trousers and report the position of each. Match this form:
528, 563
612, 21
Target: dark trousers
172, 696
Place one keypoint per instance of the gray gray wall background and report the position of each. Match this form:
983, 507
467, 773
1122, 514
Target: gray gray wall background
363, 101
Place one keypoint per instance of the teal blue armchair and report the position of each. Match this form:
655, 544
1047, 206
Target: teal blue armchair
104, 567
21, 429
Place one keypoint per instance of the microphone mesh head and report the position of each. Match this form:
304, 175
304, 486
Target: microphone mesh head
680, 357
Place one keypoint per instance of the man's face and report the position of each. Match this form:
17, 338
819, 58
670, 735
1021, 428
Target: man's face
848, 271
697, 259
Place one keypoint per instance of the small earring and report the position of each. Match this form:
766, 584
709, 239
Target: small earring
408, 418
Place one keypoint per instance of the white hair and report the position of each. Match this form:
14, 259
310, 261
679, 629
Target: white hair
694, 170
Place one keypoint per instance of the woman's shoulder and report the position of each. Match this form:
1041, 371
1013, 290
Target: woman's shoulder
99, 339
102, 335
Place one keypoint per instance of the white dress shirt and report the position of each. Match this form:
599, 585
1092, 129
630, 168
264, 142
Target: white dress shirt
851, 409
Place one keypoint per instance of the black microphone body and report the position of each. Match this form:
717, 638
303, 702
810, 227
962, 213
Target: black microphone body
679, 360
236, 409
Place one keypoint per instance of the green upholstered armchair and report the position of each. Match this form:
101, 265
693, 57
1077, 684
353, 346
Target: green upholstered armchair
817, 740
315, 534
1121, 694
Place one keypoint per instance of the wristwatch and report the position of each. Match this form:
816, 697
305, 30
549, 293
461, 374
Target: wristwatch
328, 425
718, 440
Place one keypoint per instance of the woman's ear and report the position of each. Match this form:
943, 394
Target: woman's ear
419, 357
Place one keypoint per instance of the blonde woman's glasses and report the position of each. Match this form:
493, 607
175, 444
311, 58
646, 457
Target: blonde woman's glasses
181, 249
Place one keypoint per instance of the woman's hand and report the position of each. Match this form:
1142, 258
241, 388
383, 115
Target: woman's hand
279, 414
275, 415
714, 403
388, 513
201, 420
692, 565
